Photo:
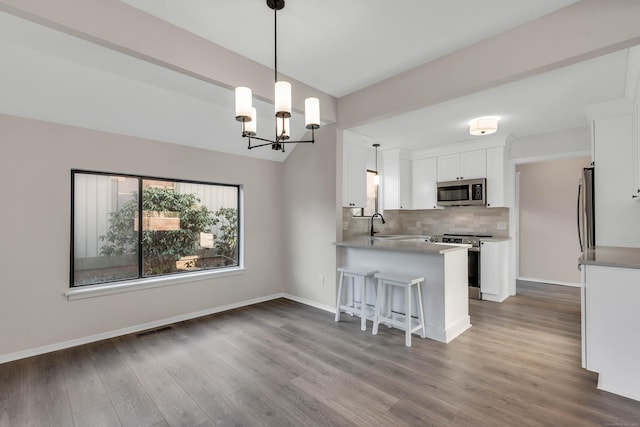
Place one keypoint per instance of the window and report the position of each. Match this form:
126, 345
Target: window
372, 198
131, 227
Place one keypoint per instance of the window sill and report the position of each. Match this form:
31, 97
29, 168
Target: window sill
92, 291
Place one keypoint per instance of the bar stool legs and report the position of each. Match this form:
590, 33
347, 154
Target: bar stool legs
384, 300
352, 308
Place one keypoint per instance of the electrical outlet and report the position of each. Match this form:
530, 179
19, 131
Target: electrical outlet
321, 280
502, 226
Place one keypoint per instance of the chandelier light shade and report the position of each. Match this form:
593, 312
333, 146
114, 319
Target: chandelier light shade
283, 99
246, 113
312, 113
251, 126
282, 128
243, 104
483, 125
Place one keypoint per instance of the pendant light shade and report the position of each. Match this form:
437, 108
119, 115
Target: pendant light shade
376, 178
483, 125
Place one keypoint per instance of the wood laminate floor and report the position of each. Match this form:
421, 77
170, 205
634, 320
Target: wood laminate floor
281, 363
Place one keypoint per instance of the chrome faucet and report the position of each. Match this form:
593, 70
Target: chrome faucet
373, 216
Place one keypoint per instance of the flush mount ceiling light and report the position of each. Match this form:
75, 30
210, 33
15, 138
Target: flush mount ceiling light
483, 125
246, 114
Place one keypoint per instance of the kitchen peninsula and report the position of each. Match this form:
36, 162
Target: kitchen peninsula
445, 296
610, 321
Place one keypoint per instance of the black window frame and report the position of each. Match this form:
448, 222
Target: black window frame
140, 179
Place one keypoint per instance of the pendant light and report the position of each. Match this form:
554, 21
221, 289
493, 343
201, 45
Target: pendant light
246, 114
376, 178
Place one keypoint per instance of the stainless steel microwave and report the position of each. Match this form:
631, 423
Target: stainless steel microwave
464, 192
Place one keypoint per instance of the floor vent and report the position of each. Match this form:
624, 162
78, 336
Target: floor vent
153, 331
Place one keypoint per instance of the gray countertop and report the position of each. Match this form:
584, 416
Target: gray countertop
611, 256
402, 243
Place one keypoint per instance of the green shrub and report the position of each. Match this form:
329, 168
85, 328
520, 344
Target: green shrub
160, 249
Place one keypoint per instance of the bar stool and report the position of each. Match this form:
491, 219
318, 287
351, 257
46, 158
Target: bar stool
386, 282
352, 308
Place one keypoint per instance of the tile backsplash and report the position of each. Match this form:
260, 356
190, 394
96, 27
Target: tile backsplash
459, 219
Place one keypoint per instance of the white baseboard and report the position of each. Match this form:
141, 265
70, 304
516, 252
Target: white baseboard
551, 282
137, 328
310, 303
494, 298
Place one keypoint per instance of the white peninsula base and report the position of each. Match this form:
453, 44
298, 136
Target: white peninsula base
445, 293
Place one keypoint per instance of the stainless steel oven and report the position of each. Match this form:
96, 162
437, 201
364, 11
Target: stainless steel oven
474, 273
474, 255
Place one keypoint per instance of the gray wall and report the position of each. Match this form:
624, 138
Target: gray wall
35, 168
310, 211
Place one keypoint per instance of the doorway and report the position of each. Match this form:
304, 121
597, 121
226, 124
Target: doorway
546, 197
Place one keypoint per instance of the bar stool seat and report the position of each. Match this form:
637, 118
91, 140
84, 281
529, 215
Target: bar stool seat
354, 308
384, 299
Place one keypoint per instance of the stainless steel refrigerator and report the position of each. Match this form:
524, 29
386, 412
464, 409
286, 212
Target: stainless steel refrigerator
586, 210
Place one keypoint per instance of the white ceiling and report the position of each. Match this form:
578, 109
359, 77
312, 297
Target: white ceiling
341, 46
335, 46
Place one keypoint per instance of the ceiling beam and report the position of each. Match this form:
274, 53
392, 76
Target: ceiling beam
584, 30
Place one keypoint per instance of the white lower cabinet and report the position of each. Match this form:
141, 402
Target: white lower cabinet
494, 270
610, 325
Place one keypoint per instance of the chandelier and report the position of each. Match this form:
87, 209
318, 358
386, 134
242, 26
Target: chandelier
246, 113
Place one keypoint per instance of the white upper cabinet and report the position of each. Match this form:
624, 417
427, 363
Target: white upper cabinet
354, 176
397, 180
466, 165
405, 184
495, 178
636, 158
425, 177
